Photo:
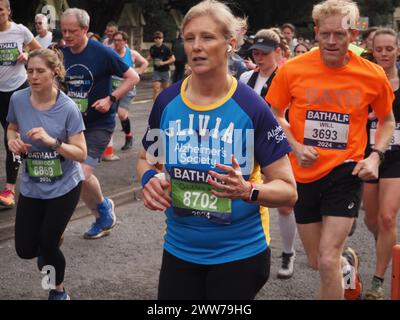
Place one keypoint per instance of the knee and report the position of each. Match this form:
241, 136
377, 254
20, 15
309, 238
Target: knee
25, 252
87, 172
387, 221
327, 263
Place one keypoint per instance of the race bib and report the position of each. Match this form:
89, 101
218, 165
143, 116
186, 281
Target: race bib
116, 82
394, 142
8, 54
43, 167
329, 130
191, 196
82, 104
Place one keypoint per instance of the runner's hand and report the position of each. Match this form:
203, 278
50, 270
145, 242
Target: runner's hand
156, 195
17, 146
23, 57
39, 134
306, 155
103, 105
234, 186
367, 169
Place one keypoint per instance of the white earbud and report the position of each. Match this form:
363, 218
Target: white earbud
229, 49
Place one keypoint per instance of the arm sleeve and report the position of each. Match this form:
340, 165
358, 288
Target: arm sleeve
75, 122
28, 36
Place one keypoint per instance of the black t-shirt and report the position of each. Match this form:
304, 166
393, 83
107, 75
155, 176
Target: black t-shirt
162, 53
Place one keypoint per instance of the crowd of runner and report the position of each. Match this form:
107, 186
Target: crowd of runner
245, 123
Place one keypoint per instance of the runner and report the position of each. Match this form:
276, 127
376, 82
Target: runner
328, 92
111, 29
266, 52
162, 57
89, 67
217, 238
46, 129
13, 38
44, 36
381, 197
130, 57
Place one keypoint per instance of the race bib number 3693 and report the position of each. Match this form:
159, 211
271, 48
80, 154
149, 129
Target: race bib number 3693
329, 130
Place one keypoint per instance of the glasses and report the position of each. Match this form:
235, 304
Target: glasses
117, 40
157, 38
38, 22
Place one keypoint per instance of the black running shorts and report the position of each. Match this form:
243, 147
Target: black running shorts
337, 194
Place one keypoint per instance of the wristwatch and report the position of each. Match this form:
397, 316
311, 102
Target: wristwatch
57, 144
380, 154
113, 98
253, 192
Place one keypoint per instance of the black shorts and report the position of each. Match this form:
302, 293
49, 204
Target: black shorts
337, 194
388, 170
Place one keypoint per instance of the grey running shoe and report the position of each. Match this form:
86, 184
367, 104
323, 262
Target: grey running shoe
286, 270
375, 292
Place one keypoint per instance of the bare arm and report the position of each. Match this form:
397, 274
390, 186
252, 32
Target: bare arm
136, 56
368, 168
131, 78
306, 155
278, 190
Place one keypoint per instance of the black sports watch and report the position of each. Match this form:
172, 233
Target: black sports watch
57, 144
113, 98
380, 154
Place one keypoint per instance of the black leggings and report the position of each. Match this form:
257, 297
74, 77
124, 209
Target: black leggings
39, 225
11, 165
237, 280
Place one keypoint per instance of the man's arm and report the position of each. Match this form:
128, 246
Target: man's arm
306, 155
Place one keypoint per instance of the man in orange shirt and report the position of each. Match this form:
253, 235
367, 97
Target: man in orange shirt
328, 92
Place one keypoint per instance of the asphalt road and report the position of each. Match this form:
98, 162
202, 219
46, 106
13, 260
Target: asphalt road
126, 264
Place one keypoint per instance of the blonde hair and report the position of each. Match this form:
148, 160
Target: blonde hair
329, 8
268, 34
282, 42
219, 12
7, 3
386, 31
53, 60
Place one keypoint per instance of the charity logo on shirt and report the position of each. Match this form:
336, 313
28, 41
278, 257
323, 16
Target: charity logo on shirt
80, 81
8, 54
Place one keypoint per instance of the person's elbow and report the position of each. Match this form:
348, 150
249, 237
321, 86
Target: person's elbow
132, 77
292, 196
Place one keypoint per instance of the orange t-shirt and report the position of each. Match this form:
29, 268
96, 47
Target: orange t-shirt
329, 108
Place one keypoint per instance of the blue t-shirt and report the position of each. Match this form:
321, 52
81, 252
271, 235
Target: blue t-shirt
88, 79
45, 174
190, 140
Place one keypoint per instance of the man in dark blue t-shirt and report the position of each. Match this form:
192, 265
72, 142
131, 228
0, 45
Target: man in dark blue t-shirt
89, 66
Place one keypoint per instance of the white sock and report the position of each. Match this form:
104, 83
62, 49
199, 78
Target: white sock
287, 227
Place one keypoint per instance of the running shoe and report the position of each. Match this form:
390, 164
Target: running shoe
104, 223
352, 281
57, 295
375, 292
286, 270
7, 199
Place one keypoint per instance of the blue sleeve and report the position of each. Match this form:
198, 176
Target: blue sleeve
270, 141
74, 123
154, 123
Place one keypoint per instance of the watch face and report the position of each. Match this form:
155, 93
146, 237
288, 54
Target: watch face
254, 195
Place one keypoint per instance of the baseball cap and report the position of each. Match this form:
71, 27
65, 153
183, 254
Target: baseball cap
264, 44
